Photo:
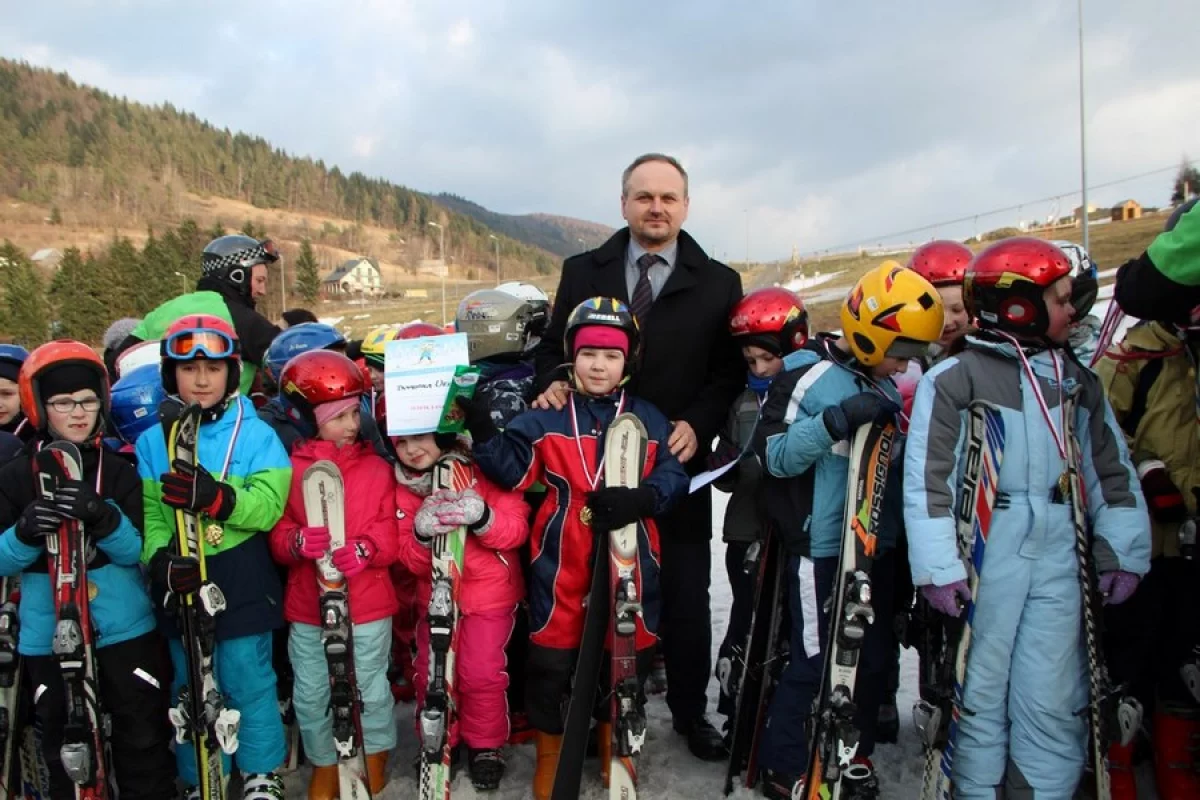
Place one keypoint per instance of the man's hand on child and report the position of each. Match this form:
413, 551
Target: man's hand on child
682, 442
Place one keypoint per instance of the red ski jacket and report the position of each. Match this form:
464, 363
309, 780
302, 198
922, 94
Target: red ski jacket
370, 516
491, 564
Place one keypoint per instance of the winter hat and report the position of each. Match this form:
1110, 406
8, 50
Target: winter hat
601, 336
324, 412
69, 378
10, 369
119, 331
767, 341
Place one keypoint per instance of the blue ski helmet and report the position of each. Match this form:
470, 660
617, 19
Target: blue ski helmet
12, 356
135, 400
300, 339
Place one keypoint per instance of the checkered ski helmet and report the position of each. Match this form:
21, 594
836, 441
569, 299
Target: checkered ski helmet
231, 259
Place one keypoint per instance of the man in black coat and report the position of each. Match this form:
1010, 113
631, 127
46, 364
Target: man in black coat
692, 370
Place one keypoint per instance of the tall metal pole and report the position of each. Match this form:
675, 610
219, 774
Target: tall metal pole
497, 241
1082, 137
282, 288
746, 211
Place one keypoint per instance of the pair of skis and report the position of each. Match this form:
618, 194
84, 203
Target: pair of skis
614, 603
324, 506
86, 728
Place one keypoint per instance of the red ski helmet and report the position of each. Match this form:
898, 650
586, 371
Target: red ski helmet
60, 353
941, 262
200, 336
774, 319
418, 330
1004, 285
316, 377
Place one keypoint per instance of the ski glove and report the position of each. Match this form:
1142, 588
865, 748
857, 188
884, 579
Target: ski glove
949, 600
855, 411
1117, 586
192, 488
615, 507
79, 500
478, 418
180, 574
39, 520
463, 508
310, 543
1162, 495
351, 559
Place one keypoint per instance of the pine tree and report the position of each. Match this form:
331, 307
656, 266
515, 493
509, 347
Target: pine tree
217, 230
1187, 183
78, 301
26, 317
308, 281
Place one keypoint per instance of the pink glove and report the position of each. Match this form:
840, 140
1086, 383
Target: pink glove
353, 558
460, 508
311, 543
949, 600
1117, 586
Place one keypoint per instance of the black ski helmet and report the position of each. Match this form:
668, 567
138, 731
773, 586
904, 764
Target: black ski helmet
231, 259
1179, 211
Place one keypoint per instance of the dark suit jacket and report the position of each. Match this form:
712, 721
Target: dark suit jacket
690, 367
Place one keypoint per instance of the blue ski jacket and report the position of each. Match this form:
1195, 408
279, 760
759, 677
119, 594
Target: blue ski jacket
806, 470
119, 603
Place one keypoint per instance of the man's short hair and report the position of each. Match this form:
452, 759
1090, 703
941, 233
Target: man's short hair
646, 159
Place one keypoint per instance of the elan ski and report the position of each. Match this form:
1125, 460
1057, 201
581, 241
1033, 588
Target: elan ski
86, 728
1112, 716
624, 458
759, 661
834, 740
439, 710
324, 506
937, 721
200, 716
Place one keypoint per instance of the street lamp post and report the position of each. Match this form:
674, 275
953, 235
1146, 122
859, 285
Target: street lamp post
445, 266
497, 241
1082, 139
282, 288
182, 281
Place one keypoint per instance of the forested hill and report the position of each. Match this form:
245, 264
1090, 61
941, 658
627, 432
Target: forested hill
561, 235
61, 142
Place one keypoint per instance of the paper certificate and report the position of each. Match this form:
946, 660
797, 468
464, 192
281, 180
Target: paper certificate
417, 377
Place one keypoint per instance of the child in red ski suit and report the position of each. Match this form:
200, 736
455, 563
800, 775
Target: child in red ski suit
564, 449
323, 389
492, 585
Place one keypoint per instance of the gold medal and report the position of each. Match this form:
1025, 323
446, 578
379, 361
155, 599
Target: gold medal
214, 534
585, 516
93, 590
1064, 484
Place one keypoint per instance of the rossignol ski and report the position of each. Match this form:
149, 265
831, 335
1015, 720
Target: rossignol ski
10, 686
86, 728
324, 506
200, 715
440, 710
833, 739
937, 720
1112, 715
624, 457
760, 659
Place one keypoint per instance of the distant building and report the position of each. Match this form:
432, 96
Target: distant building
1126, 210
47, 258
1091, 209
358, 276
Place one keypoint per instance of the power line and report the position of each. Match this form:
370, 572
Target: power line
970, 217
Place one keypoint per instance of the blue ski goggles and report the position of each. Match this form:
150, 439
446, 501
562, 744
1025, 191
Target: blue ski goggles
201, 342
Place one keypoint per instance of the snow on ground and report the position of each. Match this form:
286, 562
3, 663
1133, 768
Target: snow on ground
802, 283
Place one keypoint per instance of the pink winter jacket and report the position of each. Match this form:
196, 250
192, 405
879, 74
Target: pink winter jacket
370, 515
491, 567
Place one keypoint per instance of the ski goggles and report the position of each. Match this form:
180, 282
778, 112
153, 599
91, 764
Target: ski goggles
186, 345
905, 349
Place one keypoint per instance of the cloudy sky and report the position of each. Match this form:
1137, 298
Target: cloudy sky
812, 124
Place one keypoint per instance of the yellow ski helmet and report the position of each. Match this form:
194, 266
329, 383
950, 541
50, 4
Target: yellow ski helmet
891, 311
375, 342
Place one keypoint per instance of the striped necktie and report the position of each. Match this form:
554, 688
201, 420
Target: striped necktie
643, 294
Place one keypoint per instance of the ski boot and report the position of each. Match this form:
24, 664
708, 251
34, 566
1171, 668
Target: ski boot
728, 673
549, 745
887, 730
486, 768
780, 786
656, 683
1177, 753
323, 785
377, 771
859, 781
1121, 777
263, 786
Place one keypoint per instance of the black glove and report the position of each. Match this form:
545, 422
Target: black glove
1163, 497
180, 574
855, 411
192, 488
478, 418
39, 520
78, 500
615, 507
